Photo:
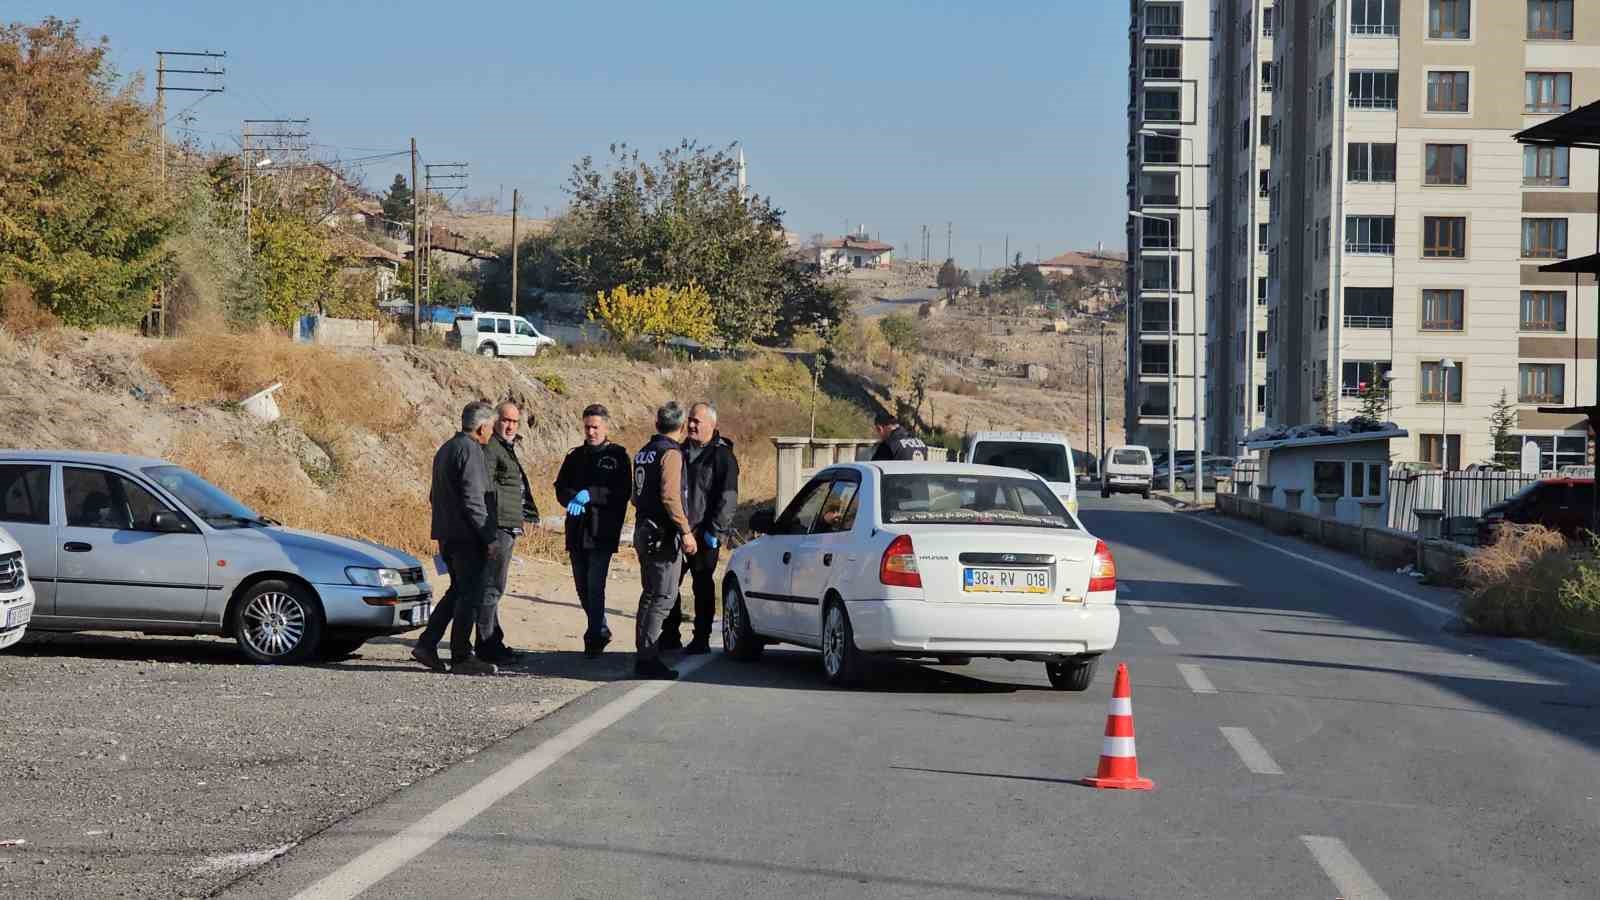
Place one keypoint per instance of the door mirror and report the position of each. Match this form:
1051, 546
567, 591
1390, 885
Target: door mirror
761, 522
167, 522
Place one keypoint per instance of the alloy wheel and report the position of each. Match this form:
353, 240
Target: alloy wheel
833, 642
274, 623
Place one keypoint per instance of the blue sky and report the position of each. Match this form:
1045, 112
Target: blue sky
1005, 118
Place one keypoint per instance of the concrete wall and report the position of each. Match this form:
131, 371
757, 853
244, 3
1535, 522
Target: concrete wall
332, 332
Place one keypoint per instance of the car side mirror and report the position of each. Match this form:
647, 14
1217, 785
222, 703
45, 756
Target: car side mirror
762, 521
167, 522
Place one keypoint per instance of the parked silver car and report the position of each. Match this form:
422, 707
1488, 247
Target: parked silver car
124, 543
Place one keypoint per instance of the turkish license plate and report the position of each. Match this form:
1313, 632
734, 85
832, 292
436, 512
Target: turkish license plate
19, 615
419, 613
1125, 478
1006, 581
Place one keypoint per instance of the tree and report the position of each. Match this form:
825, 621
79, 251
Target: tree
397, 202
83, 222
900, 331
1374, 396
949, 277
811, 303
1503, 418
679, 220
654, 314
290, 266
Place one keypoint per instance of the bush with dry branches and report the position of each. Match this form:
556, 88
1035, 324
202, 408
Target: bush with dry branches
1513, 585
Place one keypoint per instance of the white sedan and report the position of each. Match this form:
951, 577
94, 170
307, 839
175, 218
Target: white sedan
924, 560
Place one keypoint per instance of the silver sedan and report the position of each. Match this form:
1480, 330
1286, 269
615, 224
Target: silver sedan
124, 543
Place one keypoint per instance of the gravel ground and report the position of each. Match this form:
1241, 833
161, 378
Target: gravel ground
163, 767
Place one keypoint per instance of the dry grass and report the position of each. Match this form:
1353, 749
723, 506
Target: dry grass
1513, 584
21, 315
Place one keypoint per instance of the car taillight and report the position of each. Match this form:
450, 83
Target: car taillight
899, 565
1103, 575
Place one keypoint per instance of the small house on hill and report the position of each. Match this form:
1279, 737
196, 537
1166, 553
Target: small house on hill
854, 252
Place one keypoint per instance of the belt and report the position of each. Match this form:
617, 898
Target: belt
514, 532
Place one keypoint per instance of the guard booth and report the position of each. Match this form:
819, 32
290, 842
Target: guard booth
1342, 476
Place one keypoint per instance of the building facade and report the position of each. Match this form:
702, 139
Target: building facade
1169, 109
1406, 227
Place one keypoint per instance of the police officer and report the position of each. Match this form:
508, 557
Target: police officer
895, 442
713, 475
662, 536
594, 484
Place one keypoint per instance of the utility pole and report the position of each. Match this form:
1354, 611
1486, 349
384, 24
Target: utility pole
215, 87
1102, 395
416, 250
949, 239
514, 198
1006, 260
281, 137
453, 177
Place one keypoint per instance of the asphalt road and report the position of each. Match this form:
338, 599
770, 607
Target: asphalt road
1310, 735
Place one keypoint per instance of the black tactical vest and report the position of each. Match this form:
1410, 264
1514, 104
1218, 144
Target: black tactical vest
647, 480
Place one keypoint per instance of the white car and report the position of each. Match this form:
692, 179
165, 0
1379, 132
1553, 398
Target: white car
1047, 454
16, 592
924, 560
499, 334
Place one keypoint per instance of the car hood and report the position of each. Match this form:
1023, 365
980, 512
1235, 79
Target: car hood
357, 552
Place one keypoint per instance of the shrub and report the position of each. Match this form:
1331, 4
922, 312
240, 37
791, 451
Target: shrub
1577, 615
553, 381
1513, 585
654, 314
22, 315
901, 331
954, 384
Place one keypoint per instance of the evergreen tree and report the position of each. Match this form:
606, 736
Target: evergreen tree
397, 203
1503, 418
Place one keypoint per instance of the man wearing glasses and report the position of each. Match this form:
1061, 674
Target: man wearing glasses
514, 507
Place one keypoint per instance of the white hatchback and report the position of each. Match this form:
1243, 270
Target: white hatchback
924, 560
16, 592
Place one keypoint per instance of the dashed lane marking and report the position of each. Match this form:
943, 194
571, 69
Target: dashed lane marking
1255, 757
1343, 869
1139, 608
1164, 636
1196, 679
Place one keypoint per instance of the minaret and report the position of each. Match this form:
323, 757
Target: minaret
742, 180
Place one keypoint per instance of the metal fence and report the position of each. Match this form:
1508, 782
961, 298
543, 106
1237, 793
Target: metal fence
1246, 473
1463, 496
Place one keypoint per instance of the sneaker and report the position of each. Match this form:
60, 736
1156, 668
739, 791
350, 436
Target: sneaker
470, 666
654, 670
697, 647
428, 657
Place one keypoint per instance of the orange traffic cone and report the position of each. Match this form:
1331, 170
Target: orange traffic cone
1119, 762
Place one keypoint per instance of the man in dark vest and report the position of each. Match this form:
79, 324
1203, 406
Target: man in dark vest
713, 475
514, 508
895, 443
662, 536
594, 484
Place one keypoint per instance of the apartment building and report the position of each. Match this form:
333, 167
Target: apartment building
1242, 40
1169, 108
1407, 227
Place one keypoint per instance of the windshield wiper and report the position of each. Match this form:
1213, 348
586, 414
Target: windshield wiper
242, 520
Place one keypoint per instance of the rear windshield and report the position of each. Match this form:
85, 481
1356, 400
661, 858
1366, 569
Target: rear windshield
1048, 461
1128, 457
936, 499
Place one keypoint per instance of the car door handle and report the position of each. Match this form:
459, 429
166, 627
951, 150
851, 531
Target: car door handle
827, 559
77, 547
786, 559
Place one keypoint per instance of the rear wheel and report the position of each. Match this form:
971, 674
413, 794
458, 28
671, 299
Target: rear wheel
278, 622
1145, 493
488, 350
1183, 485
739, 640
1072, 675
842, 663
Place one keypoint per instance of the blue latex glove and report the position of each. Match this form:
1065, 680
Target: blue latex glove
711, 541
574, 508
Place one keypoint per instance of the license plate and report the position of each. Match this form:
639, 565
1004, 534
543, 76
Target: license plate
1124, 478
19, 615
419, 613
1006, 581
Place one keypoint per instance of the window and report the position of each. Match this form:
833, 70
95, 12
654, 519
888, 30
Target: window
1366, 479
1369, 234
1541, 383
1375, 17
1261, 398
1359, 376
1557, 450
1157, 273
1325, 166
1269, 18
1322, 310
100, 499
976, 500
1159, 188
1152, 400
1546, 166
1370, 162
839, 510
1374, 90
1154, 358
1261, 291
1163, 20
1162, 105
1544, 311
802, 511
1266, 77
1444, 237
1264, 183
1442, 310
1153, 317
1327, 479
1431, 444
1549, 20
1450, 20
1161, 149
1368, 307
25, 494
1163, 61
1158, 232
1547, 92
1544, 238
525, 330
1261, 345
1261, 237
1445, 164
1436, 391
1266, 131
1447, 91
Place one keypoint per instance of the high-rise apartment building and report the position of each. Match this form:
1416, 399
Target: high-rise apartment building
1169, 108
1407, 227
1242, 73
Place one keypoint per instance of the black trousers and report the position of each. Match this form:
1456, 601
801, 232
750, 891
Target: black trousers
589, 571
468, 565
702, 571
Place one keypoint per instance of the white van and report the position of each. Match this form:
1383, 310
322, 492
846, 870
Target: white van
16, 592
498, 334
1127, 469
1046, 454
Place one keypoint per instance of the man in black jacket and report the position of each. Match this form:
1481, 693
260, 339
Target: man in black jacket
712, 474
594, 483
895, 442
464, 518
514, 508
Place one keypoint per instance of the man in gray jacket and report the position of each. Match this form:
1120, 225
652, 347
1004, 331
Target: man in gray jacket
514, 507
464, 518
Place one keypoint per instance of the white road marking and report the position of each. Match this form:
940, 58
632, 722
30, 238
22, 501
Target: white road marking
371, 867
1343, 870
1164, 636
1139, 608
1196, 679
1255, 756
1402, 595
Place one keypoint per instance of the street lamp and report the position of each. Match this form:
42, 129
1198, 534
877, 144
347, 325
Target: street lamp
1172, 425
1446, 365
1194, 314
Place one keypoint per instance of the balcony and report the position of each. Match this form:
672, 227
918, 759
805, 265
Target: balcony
1365, 248
1383, 30
1374, 103
1154, 367
1378, 322
1162, 114
1162, 73
1163, 30
1153, 410
1153, 326
1548, 398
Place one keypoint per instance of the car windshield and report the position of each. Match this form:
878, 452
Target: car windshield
938, 499
205, 499
1128, 458
1048, 461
